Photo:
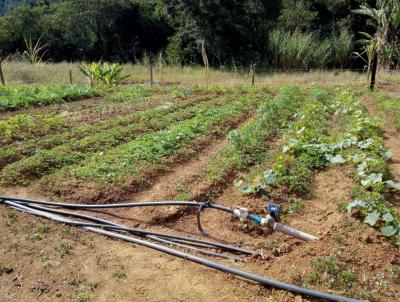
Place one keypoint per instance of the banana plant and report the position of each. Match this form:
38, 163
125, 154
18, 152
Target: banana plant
386, 18
112, 74
91, 71
98, 72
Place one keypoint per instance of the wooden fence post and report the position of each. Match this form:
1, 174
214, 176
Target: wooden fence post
151, 74
1, 74
253, 73
373, 74
70, 76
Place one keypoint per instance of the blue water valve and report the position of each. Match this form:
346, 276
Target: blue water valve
274, 211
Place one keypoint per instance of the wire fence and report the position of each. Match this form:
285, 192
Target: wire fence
19, 72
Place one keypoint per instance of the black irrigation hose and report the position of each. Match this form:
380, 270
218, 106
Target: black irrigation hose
192, 248
25, 209
113, 226
106, 206
209, 263
200, 205
227, 269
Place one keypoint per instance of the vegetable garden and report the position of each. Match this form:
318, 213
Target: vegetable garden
241, 145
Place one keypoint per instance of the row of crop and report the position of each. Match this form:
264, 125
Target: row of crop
248, 144
390, 106
290, 168
311, 146
19, 96
139, 92
73, 151
21, 148
25, 126
152, 152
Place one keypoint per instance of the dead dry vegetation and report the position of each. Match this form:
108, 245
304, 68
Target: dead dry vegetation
201, 144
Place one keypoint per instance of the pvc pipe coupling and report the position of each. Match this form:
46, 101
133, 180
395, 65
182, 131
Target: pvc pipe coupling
271, 221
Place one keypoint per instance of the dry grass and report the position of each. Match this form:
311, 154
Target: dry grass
391, 77
21, 72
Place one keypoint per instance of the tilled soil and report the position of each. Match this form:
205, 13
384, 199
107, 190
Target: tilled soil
60, 263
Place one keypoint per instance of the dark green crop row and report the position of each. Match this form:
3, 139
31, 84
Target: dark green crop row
47, 161
248, 144
13, 97
20, 149
150, 151
22, 127
25, 126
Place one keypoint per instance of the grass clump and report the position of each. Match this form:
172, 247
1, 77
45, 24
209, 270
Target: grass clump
64, 249
119, 273
5, 269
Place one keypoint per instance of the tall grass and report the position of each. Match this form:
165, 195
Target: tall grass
22, 72
299, 50
342, 47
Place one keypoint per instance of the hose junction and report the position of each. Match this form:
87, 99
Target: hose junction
66, 213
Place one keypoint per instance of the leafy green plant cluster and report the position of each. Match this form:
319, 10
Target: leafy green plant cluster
130, 93
104, 73
180, 91
310, 147
331, 272
248, 144
98, 139
13, 97
366, 151
150, 150
362, 146
23, 126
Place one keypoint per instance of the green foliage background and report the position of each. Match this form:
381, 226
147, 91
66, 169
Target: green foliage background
236, 32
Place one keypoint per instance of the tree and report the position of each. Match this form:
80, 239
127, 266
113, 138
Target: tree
386, 20
297, 14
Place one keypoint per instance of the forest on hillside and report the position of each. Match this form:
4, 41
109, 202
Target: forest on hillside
273, 34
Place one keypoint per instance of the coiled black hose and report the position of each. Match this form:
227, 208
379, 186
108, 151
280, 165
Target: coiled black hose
107, 206
209, 263
113, 226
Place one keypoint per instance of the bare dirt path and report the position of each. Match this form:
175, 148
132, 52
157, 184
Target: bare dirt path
166, 186
392, 141
67, 264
